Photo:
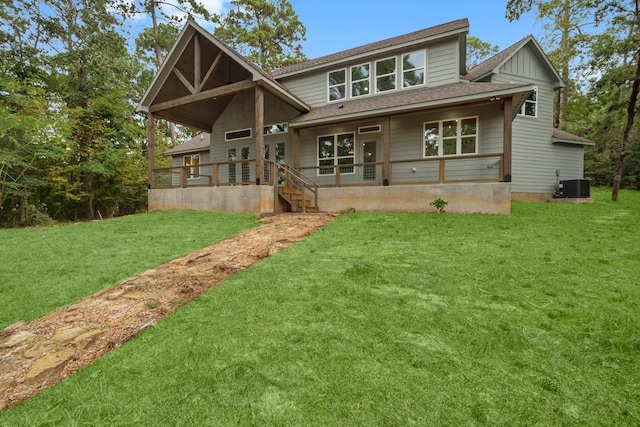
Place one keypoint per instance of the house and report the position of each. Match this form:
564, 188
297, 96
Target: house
388, 126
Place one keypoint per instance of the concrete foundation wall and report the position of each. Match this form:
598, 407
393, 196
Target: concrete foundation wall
486, 198
255, 199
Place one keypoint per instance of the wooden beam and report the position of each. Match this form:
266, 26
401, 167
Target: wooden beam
386, 149
196, 63
184, 80
210, 71
296, 148
259, 106
508, 136
151, 147
201, 96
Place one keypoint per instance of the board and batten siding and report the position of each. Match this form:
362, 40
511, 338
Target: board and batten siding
177, 161
442, 67
535, 158
240, 114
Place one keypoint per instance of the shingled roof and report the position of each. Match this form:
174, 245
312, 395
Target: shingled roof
487, 67
560, 136
453, 27
199, 142
414, 99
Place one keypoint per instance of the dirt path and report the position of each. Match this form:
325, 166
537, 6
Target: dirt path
40, 353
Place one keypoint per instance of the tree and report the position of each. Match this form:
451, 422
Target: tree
267, 32
618, 48
161, 35
564, 22
478, 51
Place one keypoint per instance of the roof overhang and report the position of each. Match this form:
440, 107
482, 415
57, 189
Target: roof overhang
566, 138
456, 94
200, 76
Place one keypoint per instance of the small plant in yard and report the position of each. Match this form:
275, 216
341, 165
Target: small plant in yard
439, 204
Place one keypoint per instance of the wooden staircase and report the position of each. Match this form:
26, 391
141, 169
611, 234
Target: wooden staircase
297, 190
295, 199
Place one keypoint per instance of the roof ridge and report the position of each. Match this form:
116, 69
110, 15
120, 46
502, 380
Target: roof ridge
490, 63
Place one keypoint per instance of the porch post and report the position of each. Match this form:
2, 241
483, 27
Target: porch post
386, 149
296, 148
151, 147
508, 133
259, 99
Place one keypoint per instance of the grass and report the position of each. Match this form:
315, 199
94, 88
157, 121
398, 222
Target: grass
394, 319
46, 268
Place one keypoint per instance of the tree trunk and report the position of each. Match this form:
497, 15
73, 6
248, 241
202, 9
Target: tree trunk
631, 114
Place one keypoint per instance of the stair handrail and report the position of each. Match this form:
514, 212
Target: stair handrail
296, 179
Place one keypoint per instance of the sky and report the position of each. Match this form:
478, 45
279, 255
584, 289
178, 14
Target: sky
336, 25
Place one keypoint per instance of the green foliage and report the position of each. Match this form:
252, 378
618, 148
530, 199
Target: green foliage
478, 51
268, 32
439, 204
528, 319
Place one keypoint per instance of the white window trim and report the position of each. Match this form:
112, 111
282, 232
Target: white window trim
226, 134
345, 84
522, 109
351, 81
459, 137
424, 68
376, 75
335, 156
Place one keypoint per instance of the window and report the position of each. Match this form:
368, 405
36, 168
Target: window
194, 162
451, 137
337, 85
413, 65
385, 75
335, 150
237, 134
369, 129
530, 106
360, 80
277, 128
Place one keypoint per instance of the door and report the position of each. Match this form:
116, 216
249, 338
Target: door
369, 156
232, 166
246, 172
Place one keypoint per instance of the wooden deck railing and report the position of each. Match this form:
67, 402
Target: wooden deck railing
467, 168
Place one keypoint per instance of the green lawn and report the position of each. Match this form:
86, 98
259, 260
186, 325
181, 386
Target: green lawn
46, 268
394, 319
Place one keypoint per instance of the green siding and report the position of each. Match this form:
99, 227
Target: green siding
535, 157
442, 68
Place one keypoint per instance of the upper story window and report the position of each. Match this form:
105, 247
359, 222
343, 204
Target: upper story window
337, 85
360, 80
413, 66
530, 106
451, 137
237, 134
385, 75
276, 128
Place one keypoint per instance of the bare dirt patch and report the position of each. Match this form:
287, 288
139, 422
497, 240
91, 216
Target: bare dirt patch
40, 353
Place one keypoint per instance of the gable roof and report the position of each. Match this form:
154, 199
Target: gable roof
493, 64
200, 142
562, 137
415, 99
181, 93
460, 26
